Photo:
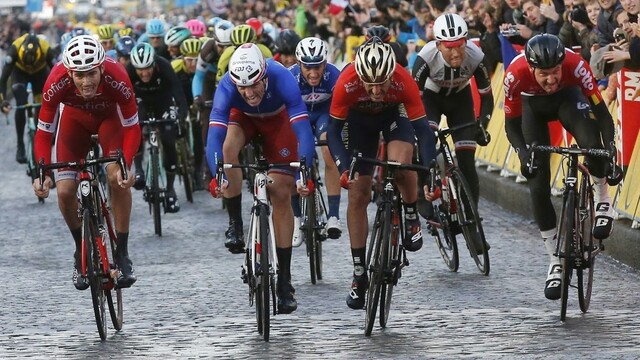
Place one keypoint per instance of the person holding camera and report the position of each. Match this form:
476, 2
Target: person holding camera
579, 27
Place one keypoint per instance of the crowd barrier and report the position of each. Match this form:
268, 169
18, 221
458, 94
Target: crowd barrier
500, 156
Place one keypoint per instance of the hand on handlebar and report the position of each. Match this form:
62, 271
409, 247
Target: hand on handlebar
42, 190
528, 163
5, 107
483, 138
307, 189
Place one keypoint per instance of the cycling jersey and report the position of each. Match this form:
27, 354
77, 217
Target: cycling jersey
185, 78
223, 63
318, 97
432, 72
281, 95
206, 69
114, 101
162, 90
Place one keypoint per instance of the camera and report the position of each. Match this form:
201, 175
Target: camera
618, 34
510, 31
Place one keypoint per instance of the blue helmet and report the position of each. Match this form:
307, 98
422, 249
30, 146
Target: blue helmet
155, 27
124, 46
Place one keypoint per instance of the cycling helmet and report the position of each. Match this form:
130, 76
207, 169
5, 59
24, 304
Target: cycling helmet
256, 24
450, 28
124, 46
176, 35
247, 65
83, 53
375, 61
155, 27
197, 27
105, 32
125, 32
214, 21
30, 52
287, 42
242, 34
191, 47
544, 51
142, 56
223, 32
77, 31
311, 51
379, 31
269, 30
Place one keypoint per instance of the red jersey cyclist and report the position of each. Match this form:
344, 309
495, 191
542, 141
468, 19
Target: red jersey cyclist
374, 95
550, 82
94, 96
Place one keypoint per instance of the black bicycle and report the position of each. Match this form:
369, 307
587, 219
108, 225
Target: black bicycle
32, 126
186, 163
98, 254
576, 247
455, 211
386, 257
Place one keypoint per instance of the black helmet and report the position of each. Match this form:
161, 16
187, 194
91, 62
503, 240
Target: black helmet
124, 46
287, 42
30, 52
379, 31
544, 51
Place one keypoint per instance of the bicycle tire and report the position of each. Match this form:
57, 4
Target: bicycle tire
470, 221
392, 267
444, 238
376, 263
308, 233
89, 234
264, 285
155, 190
115, 308
320, 232
32, 169
585, 244
565, 237
185, 168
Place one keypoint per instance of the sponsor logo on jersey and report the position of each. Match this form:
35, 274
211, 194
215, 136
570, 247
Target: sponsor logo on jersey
584, 75
47, 94
120, 86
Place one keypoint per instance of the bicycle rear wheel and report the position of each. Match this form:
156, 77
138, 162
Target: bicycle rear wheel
565, 237
392, 269
264, 276
585, 244
470, 221
376, 264
185, 167
155, 190
94, 270
440, 229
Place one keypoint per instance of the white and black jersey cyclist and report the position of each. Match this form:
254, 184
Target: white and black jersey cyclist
443, 70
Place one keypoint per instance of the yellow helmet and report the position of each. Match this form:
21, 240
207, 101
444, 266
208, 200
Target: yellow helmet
242, 34
191, 47
127, 31
105, 32
30, 52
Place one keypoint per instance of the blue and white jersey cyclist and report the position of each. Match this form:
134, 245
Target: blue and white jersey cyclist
317, 79
258, 96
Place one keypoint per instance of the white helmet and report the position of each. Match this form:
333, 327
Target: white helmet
223, 32
247, 65
311, 51
450, 27
142, 56
375, 61
83, 53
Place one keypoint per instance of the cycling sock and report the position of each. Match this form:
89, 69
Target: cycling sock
295, 205
358, 256
234, 207
410, 209
123, 241
171, 177
284, 262
549, 238
600, 190
334, 205
77, 238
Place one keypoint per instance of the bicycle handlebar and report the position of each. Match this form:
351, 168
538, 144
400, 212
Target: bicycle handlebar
384, 163
573, 150
154, 121
28, 106
442, 133
83, 164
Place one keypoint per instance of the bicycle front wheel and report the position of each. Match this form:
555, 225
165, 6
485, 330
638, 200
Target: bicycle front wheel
440, 229
392, 269
565, 238
94, 270
155, 191
308, 233
264, 275
115, 307
586, 217
376, 263
470, 222
185, 167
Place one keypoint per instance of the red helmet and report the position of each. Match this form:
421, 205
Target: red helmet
256, 24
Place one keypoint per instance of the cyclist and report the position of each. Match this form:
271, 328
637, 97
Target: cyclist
316, 79
286, 44
157, 88
443, 70
261, 36
374, 95
204, 81
174, 37
197, 28
550, 82
259, 96
383, 33
105, 36
185, 68
123, 49
155, 31
28, 61
95, 97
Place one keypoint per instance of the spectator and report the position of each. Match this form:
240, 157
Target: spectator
606, 21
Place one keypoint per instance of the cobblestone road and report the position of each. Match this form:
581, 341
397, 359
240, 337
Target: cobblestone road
189, 301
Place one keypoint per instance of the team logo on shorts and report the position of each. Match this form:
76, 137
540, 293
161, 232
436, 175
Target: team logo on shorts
284, 152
